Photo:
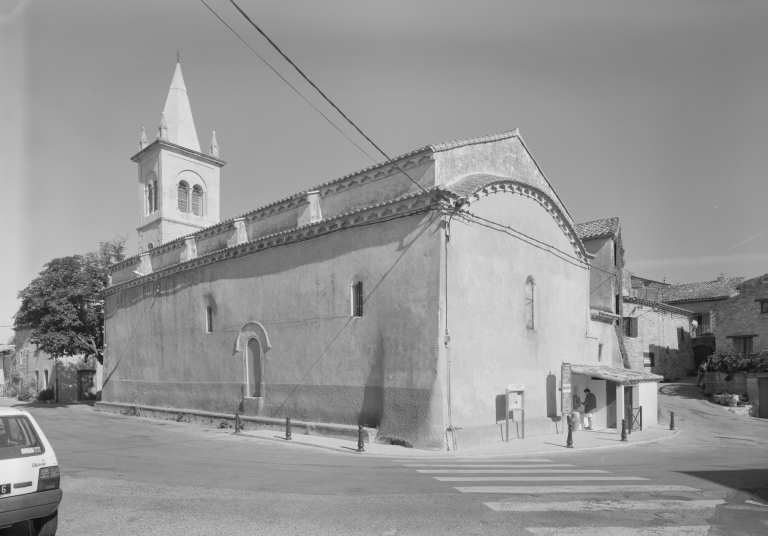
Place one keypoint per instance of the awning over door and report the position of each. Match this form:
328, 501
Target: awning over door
618, 375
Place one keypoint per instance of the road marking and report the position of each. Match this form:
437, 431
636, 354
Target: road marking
474, 471
591, 506
531, 478
493, 466
700, 530
471, 460
572, 489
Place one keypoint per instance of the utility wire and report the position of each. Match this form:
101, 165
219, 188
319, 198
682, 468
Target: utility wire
287, 82
389, 159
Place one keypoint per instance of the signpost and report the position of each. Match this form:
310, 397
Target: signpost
566, 402
516, 401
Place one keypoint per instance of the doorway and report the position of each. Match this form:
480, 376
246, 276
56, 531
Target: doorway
253, 379
86, 386
701, 354
762, 389
610, 404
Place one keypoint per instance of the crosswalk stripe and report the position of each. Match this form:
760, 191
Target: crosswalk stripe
591, 506
472, 460
572, 489
518, 471
531, 478
425, 465
699, 530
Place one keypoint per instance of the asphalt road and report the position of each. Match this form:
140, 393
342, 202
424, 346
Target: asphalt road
127, 476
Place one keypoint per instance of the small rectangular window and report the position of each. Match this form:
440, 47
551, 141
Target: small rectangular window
600, 352
764, 307
649, 360
357, 299
209, 320
627, 326
742, 345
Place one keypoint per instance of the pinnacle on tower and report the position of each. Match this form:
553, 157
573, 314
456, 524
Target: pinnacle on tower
162, 131
143, 139
178, 113
214, 146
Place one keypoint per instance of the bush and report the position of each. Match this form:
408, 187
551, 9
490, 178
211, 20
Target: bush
45, 395
733, 363
25, 395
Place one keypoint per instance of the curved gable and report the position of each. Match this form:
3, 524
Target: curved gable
473, 187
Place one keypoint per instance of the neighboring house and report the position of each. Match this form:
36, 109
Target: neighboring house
742, 320
72, 378
602, 239
657, 337
406, 296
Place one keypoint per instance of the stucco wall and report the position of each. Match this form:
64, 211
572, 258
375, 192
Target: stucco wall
603, 288
666, 334
323, 365
491, 345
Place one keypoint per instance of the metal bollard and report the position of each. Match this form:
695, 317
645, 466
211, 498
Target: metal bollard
672, 420
288, 429
237, 423
360, 438
623, 430
569, 441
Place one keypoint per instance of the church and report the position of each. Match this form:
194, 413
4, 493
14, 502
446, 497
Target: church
405, 297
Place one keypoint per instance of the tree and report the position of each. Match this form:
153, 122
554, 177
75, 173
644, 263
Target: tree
63, 305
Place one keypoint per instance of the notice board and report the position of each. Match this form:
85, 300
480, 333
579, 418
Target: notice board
566, 402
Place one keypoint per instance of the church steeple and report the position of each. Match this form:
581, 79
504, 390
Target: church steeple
178, 114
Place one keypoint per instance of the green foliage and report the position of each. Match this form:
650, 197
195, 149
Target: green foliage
733, 363
45, 395
25, 395
63, 305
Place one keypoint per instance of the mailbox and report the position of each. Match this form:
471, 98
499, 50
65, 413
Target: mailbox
516, 402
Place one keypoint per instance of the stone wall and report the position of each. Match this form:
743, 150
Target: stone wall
741, 315
662, 331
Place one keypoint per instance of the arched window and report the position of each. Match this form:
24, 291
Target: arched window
197, 201
37, 379
209, 319
154, 197
253, 368
150, 246
183, 197
45, 379
530, 297
150, 198
357, 299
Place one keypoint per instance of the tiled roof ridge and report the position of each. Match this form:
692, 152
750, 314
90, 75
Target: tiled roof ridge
660, 305
438, 147
597, 228
319, 223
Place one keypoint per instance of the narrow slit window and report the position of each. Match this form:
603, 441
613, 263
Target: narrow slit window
530, 292
209, 319
357, 299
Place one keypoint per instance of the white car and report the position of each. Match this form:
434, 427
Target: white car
29, 474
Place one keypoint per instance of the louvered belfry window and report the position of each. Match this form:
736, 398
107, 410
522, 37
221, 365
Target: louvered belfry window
197, 201
183, 194
150, 199
154, 197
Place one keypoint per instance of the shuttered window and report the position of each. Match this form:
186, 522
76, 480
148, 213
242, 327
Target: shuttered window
197, 201
357, 299
150, 198
183, 194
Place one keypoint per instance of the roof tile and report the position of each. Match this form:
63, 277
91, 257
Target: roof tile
597, 228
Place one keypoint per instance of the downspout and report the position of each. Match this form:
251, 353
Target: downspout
447, 339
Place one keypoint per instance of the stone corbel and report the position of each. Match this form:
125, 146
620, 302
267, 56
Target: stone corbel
240, 236
312, 212
190, 249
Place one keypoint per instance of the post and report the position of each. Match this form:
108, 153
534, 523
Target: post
672, 420
506, 411
623, 429
569, 441
288, 429
522, 412
360, 438
237, 422
641, 418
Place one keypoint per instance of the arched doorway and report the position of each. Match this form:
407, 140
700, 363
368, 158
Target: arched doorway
700, 354
253, 371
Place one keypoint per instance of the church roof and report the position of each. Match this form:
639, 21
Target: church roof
178, 114
597, 228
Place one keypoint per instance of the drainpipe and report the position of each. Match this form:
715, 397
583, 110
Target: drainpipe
457, 207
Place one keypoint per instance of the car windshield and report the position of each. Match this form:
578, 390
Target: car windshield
18, 438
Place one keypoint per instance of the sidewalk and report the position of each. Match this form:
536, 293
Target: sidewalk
539, 445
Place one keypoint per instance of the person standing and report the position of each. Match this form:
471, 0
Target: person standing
590, 407
703, 368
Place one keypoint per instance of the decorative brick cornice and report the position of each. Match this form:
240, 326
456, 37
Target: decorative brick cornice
403, 206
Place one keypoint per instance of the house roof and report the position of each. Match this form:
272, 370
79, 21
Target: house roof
657, 304
597, 228
703, 290
618, 375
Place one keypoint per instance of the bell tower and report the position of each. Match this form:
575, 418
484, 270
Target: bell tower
178, 184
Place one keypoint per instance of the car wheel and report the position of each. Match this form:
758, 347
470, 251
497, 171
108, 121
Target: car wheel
44, 526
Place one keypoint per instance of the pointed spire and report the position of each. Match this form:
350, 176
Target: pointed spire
143, 139
214, 146
162, 132
178, 113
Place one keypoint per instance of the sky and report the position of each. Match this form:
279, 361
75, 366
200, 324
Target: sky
652, 111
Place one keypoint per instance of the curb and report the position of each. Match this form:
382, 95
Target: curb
457, 454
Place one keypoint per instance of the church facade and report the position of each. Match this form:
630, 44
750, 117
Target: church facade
405, 297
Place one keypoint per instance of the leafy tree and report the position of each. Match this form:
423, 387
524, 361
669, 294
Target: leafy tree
63, 305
